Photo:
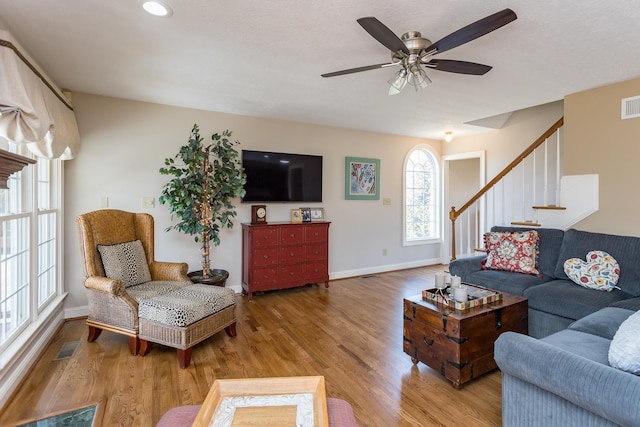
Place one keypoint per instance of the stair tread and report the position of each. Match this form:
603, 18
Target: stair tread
550, 207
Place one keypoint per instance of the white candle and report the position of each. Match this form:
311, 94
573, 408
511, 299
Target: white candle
460, 293
440, 284
456, 281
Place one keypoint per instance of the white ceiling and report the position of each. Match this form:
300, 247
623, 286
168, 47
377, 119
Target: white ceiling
264, 58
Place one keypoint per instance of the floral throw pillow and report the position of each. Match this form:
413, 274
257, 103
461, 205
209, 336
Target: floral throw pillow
515, 251
598, 271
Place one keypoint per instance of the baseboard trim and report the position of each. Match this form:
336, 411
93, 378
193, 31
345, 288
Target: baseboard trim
76, 312
382, 268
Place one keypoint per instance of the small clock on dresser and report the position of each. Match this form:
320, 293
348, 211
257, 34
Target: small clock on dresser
258, 214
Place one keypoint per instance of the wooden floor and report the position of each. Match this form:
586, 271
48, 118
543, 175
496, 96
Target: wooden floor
351, 333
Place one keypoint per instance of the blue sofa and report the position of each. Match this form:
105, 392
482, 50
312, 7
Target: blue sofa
555, 301
564, 379
560, 374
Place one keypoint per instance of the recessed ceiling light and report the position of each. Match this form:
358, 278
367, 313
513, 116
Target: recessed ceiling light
157, 8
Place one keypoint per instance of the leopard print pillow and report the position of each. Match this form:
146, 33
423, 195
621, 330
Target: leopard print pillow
126, 262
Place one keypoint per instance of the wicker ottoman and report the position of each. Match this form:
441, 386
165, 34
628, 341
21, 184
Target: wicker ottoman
184, 317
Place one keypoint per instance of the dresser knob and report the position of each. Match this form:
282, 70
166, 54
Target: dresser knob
291, 273
266, 276
315, 253
265, 256
291, 235
265, 237
317, 234
315, 271
292, 254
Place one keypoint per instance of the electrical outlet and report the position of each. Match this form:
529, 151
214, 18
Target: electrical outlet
148, 202
386, 200
104, 202
384, 252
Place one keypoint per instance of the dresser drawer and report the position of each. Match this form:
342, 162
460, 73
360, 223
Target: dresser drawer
264, 256
316, 233
317, 271
291, 272
291, 235
290, 254
264, 236
265, 276
315, 251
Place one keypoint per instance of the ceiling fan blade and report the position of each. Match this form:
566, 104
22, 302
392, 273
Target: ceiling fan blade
474, 30
359, 69
460, 67
383, 34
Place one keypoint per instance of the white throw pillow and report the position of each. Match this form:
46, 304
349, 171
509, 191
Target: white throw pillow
624, 351
126, 262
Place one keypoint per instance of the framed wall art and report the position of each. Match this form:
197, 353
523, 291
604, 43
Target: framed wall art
362, 179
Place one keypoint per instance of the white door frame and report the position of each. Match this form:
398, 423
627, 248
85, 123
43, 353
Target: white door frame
446, 223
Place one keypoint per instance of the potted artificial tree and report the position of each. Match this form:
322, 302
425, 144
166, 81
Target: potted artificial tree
204, 182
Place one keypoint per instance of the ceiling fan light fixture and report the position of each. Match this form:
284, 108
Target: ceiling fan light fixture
418, 77
397, 82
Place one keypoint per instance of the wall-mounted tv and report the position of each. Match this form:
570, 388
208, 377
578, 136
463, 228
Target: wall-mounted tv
282, 177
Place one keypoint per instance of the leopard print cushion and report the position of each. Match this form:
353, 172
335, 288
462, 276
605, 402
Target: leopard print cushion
126, 262
184, 306
154, 288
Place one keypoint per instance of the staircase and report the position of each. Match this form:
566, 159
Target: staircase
530, 192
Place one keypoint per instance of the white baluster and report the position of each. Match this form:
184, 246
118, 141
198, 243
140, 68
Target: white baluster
535, 179
545, 198
558, 201
469, 230
523, 204
504, 202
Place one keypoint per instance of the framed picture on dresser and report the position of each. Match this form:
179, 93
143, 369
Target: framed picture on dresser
317, 214
296, 216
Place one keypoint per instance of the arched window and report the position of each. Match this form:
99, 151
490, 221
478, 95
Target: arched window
421, 196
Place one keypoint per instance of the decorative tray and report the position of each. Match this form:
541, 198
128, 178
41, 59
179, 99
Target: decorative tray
299, 401
477, 296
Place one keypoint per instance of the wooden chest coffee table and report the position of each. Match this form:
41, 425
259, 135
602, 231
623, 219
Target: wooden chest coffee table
459, 343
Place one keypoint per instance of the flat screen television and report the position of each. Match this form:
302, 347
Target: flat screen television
282, 177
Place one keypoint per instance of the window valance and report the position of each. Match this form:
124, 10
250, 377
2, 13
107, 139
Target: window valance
32, 110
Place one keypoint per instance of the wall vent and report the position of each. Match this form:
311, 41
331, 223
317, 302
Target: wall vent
631, 108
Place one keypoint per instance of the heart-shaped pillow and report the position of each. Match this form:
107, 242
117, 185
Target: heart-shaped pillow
600, 271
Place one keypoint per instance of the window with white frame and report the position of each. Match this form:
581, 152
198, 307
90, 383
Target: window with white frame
421, 196
29, 243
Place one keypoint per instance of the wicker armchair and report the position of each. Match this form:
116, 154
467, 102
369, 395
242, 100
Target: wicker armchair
111, 305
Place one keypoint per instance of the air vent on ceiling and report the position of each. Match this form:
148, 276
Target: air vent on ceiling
631, 107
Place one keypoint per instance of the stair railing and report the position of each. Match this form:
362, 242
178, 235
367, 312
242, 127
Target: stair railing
476, 208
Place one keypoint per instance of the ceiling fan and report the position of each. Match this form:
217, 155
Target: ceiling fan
413, 52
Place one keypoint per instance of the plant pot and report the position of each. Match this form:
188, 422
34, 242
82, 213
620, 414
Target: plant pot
218, 277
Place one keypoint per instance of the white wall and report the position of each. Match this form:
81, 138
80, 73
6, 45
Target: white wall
125, 142
504, 145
